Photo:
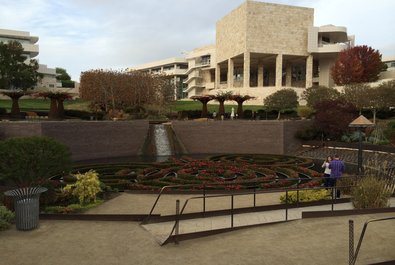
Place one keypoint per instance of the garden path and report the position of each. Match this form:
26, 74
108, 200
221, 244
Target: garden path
306, 241
129, 203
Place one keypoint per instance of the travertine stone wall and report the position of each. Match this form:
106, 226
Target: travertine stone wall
264, 28
275, 29
254, 137
86, 140
231, 34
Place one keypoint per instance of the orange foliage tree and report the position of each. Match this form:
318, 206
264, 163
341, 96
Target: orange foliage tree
117, 90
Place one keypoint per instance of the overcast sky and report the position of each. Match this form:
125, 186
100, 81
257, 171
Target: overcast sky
79, 35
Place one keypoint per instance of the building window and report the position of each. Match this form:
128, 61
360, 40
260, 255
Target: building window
238, 74
326, 40
205, 59
168, 67
212, 75
182, 66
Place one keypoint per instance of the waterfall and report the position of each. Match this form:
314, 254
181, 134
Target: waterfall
162, 143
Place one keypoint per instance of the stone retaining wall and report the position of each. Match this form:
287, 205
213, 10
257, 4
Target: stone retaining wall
244, 137
86, 139
89, 140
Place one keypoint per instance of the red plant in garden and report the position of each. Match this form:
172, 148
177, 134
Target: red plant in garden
359, 64
334, 116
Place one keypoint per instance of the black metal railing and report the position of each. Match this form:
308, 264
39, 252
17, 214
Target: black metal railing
178, 218
254, 188
354, 255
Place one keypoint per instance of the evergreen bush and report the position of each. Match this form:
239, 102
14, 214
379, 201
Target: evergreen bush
30, 161
6, 217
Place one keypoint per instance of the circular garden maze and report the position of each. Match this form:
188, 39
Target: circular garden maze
223, 172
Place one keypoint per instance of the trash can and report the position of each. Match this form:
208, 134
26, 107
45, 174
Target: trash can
27, 206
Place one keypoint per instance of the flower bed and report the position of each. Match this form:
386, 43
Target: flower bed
226, 172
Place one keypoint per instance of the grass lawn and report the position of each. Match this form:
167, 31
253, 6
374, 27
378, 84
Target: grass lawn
43, 104
196, 105
79, 104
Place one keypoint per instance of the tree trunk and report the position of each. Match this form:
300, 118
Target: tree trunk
53, 109
240, 109
221, 109
60, 108
15, 106
374, 116
278, 116
204, 110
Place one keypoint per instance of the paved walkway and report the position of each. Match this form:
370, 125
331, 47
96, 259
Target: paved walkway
141, 204
161, 231
304, 241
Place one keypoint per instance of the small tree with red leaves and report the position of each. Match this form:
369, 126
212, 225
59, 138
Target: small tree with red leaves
204, 99
221, 97
360, 64
15, 95
56, 109
240, 100
333, 117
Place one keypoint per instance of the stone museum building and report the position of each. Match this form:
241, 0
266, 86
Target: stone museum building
260, 48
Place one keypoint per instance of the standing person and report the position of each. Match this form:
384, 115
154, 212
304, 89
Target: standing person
327, 171
337, 168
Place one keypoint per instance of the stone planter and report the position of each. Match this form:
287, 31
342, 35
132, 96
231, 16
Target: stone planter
27, 206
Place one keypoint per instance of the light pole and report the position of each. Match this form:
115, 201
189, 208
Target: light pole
359, 123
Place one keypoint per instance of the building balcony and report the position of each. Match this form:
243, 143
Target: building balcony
31, 49
331, 47
174, 72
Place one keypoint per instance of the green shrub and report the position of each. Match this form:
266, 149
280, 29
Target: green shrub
3, 111
371, 192
86, 187
305, 196
72, 208
83, 115
304, 111
345, 138
191, 114
6, 217
247, 114
307, 134
30, 161
345, 182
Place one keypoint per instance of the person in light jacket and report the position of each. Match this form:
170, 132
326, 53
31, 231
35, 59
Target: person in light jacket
327, 171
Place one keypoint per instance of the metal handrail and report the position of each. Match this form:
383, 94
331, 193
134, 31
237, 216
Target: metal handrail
353, 255
146, 220
180, 213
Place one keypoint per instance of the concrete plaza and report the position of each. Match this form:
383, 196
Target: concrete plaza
302, 241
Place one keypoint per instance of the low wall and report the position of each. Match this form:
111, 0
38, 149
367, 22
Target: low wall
86, 139
239, 136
